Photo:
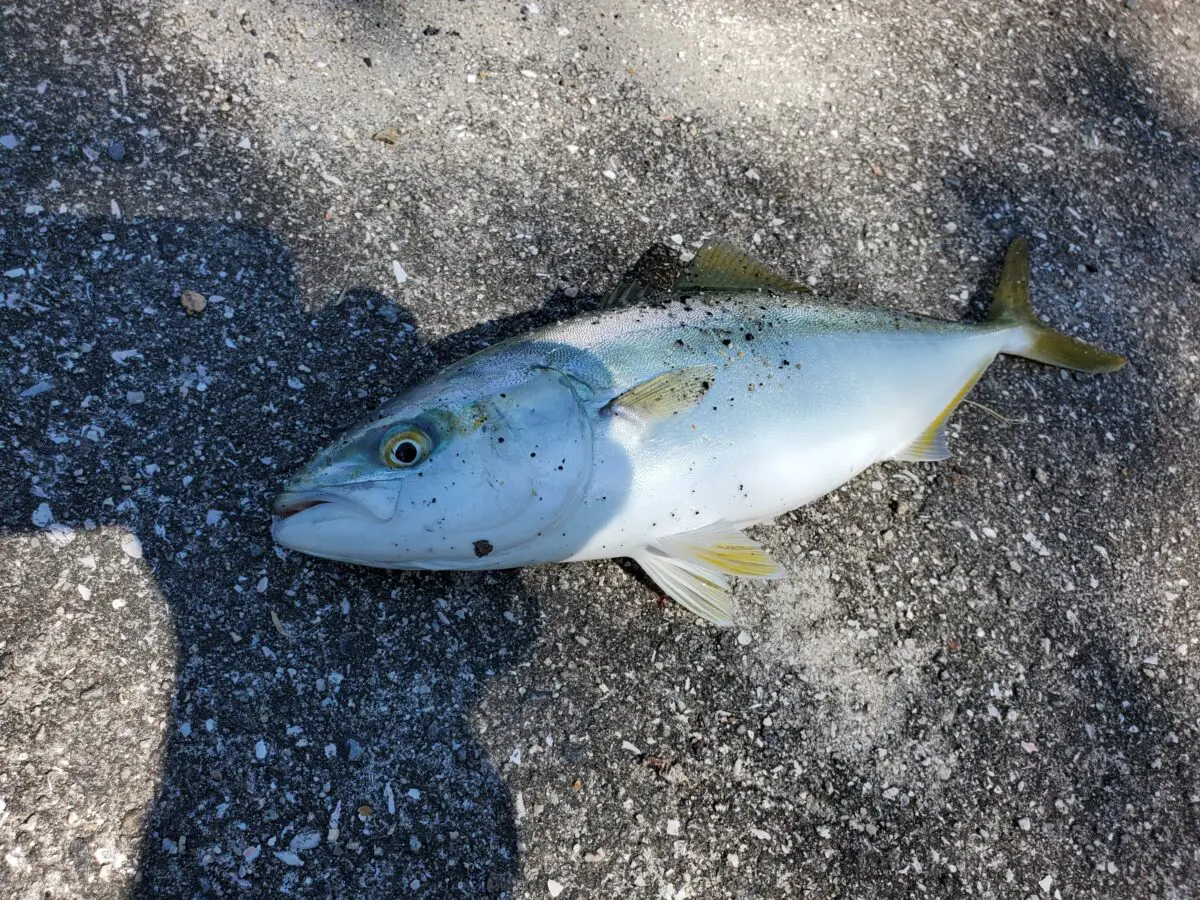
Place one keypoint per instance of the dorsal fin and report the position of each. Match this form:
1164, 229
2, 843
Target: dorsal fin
720, 266
626, 293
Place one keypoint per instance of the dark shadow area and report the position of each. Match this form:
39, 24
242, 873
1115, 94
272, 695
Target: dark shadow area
302, 686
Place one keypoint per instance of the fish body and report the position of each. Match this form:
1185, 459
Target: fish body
655, 432
803, 397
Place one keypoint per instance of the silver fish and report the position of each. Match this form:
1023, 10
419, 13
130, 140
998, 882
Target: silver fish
657, 432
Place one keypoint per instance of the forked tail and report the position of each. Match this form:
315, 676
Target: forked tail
1034, 339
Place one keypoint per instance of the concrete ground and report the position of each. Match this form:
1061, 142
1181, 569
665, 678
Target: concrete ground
981, 679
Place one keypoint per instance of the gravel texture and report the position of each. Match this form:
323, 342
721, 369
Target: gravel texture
227, 231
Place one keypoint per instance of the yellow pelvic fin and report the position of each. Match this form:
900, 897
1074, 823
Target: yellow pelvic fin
663, 396
706, 597
720, 266
692, 568
931, 445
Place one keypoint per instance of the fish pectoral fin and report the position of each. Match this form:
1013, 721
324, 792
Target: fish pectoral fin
931, 445
720, 266
663, 396
692, 568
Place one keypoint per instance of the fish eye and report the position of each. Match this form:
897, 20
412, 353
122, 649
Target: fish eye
406, 448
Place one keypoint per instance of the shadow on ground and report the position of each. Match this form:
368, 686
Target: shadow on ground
301, 686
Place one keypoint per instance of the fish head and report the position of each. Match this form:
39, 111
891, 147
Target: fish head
471, 471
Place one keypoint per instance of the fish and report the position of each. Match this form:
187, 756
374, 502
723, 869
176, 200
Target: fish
658, 431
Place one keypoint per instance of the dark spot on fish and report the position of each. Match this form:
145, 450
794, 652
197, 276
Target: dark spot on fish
705, 385
679, 342
726, 341
749, 336
483, 548
531, 455
782, 365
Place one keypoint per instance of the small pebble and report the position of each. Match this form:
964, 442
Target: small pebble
42, 516
116, 151
9, 141
554, 887
305, 840
193, 301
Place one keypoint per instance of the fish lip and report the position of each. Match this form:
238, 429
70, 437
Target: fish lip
290, 502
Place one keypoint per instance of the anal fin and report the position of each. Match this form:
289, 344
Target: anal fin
692, 568
931, 445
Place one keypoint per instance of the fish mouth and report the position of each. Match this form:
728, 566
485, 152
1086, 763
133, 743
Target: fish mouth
327, 504
289, 503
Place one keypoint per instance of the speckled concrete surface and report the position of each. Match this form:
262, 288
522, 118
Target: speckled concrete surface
982, 678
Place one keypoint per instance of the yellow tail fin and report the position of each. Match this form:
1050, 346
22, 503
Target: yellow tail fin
1036, 340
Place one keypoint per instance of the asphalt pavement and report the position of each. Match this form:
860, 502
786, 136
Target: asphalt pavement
228, 231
